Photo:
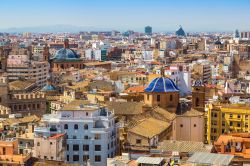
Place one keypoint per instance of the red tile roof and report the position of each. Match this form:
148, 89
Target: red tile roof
56, 136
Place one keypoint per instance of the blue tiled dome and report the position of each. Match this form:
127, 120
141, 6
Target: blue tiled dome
48, 88
65, 54
161, 84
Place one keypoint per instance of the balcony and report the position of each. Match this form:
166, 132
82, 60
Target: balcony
235, 119
46, 131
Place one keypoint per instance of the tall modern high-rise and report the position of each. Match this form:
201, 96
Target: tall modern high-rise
237, 34
148, 30
180, 32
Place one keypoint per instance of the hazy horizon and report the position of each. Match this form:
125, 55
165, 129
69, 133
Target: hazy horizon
122, 15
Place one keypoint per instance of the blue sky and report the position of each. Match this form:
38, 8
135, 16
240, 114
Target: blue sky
162, 15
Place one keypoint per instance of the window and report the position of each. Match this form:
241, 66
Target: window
75, 126
97, 136
65, 126
75, 147
194, 125
222, 131
147, 96
171, 98
214, 130
238, 116
197, 102
38, 144
86, 137
87, 114
85, 147
181, 125
231, 115
238, 124
158, 98
85, 157
223, 115
51, 143
231, 123
97, 147
138, 141
4, 151
246, 117
223, 123
98, 158
75, 157
52, 157
67, 147
74, 137
86, 127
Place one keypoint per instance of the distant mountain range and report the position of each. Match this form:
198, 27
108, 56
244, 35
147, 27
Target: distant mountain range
52, 29
75, 29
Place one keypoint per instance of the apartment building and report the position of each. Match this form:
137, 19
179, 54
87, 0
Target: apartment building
20, 66
226, 118
91, 132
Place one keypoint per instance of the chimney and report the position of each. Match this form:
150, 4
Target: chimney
222, 148
233, 148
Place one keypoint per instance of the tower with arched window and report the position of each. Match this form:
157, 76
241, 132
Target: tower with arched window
198, 95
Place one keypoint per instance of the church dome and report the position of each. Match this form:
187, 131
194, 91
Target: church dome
161, 84
218, 42
65, 54
48, 87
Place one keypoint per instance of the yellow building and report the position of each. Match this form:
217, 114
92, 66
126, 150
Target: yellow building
226, 118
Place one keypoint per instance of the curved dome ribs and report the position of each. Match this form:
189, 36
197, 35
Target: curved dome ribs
162, 84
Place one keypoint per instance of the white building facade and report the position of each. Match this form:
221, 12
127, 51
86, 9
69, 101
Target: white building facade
91, 133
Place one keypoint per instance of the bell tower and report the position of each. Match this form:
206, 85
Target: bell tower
198, 95
4, 89
46, 54
66, 43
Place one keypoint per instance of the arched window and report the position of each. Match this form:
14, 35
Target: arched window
87, 114
197, 102
65, 126
171, 98
75, 126
158, 97
86, 127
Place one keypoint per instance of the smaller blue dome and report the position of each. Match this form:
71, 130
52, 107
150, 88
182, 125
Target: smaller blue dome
161, 84
48, 88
